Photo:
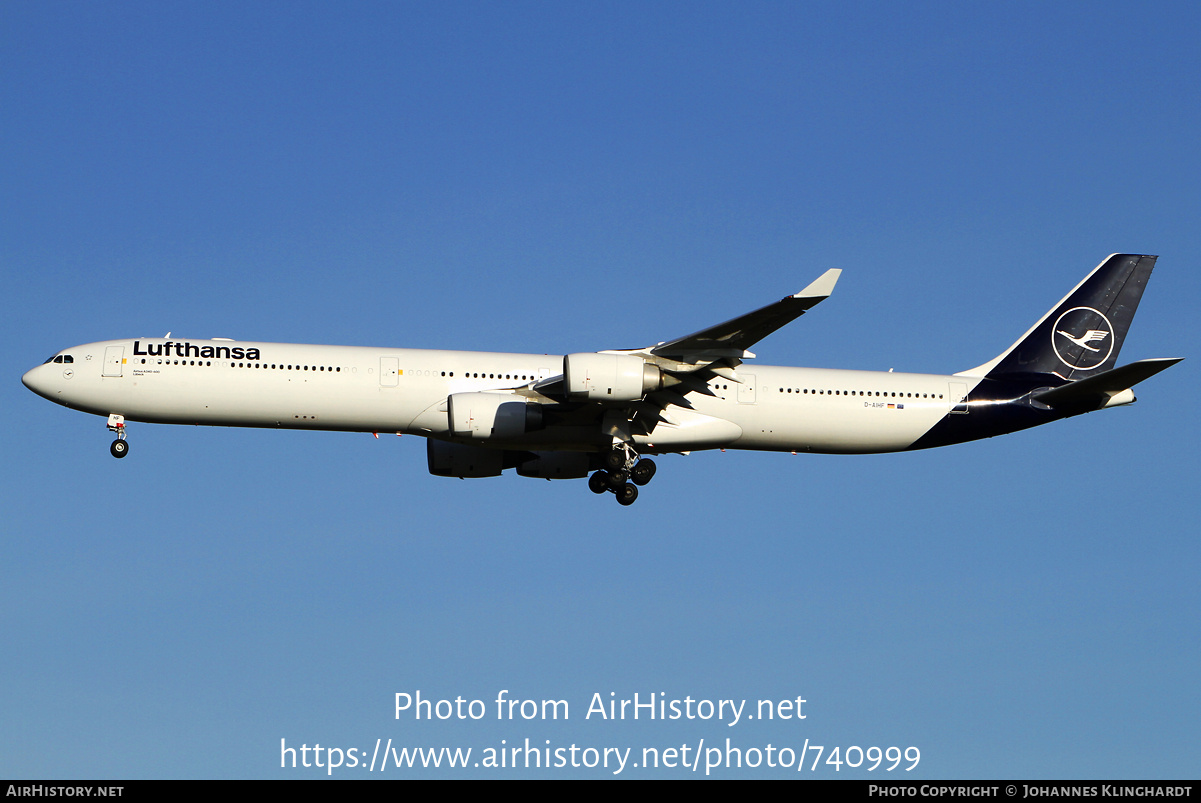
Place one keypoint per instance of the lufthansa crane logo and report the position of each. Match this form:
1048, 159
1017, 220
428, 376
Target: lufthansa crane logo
1082, 338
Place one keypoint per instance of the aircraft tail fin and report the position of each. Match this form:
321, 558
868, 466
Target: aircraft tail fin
1081, 335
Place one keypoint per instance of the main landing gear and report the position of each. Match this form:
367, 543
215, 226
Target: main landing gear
622, 473
116, 423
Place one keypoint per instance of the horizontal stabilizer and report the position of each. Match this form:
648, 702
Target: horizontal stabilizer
1096, 391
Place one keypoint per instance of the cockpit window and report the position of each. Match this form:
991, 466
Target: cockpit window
61, 358
68, 358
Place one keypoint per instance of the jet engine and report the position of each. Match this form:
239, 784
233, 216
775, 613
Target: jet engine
609, 377
557, 466
491, 415
465, 462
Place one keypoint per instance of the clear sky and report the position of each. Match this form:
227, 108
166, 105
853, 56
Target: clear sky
551, 178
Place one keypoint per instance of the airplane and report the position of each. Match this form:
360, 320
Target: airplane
599, 415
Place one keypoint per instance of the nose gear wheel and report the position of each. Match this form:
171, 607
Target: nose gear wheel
116, 423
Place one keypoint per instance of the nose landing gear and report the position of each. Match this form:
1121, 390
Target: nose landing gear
119, 448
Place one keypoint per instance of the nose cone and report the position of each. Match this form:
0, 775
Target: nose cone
38, 380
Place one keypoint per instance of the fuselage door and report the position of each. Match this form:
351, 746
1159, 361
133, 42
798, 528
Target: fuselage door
746, 391
114, 357
389, 372
958, 396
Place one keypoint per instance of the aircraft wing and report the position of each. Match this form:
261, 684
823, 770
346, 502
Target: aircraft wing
735, 336
717, 351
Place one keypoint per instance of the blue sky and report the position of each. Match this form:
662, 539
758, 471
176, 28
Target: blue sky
551, 178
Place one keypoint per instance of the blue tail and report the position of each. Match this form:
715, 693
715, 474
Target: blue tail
1082, 335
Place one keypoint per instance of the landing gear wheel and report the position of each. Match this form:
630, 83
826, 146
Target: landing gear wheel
598, 483
626, 494
616, 479
615, 460
642, 471
119, 448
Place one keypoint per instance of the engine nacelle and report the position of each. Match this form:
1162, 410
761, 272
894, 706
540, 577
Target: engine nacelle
491, 415
609, 377
557, 466
457, 460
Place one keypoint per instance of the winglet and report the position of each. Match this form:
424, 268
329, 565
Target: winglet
822, 286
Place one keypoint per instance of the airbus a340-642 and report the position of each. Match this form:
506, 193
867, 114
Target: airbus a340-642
599, 414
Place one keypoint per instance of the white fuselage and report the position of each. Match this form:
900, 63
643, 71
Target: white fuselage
227, 383
598, 414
